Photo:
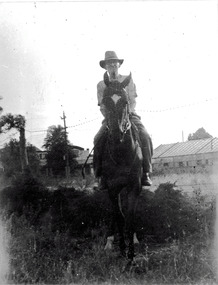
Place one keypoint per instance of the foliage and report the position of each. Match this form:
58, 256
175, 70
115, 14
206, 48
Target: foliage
10, 157
162, 216
10, 121
58, 147
44, 257
199, 134
24, 197
167, 214
34, 161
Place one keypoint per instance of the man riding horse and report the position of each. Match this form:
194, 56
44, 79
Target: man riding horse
111, 64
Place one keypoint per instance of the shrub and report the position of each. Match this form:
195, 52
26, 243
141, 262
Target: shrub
164, 215
26, 196
168, 214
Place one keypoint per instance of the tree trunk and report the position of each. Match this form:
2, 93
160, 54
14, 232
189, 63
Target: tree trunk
23, 151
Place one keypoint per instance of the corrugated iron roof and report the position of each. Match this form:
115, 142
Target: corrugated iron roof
186, 148
212, 146
161, 149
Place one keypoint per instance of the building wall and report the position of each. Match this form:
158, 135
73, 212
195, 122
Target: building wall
185, 163
189, 182
42, 157
81, 156
191, 174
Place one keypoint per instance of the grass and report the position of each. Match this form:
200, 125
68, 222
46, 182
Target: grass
40, 256
52, 248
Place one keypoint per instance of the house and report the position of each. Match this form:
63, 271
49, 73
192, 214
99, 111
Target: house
42, 156
80, 153
83, 157
193, 155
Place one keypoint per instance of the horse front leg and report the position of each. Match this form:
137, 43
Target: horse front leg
120, 221
130, 222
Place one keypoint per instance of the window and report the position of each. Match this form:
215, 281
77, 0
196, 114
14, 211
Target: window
166, 164
181, 164
199, 162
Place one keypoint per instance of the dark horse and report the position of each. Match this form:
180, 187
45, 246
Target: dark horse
121, 159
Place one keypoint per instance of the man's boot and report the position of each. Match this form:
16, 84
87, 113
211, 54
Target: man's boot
146, 181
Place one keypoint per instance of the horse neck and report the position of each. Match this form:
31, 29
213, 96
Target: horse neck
124, 150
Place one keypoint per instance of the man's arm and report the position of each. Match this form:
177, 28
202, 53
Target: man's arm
131, 90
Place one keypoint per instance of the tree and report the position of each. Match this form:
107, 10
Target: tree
33, 158
58, 147
8, 122
10, 157
199, 134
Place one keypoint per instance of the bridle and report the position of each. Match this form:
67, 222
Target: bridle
124, 124
128, 127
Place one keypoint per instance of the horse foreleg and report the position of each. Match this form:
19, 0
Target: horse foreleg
120, 221
132, 203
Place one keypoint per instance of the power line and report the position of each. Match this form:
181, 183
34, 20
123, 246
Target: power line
140, 110
79, 124
177, 107
37, 131
83, 123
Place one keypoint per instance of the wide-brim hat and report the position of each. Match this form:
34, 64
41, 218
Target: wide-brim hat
110, 56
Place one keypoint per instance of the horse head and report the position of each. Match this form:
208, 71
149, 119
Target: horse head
115, 99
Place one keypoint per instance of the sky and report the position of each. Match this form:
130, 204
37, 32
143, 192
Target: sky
49, 64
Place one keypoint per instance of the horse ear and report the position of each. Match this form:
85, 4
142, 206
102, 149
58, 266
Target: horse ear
106, 79
126, 80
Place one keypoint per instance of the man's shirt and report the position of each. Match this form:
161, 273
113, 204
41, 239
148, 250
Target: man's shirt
130, 89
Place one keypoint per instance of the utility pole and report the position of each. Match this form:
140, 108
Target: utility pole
67, 168
182, 136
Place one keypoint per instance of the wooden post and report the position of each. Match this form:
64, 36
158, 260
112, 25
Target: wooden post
67, 167
23, 151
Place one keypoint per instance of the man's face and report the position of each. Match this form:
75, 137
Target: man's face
112, 69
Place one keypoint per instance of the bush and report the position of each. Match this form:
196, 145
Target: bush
168, 214
26, 196
164, 215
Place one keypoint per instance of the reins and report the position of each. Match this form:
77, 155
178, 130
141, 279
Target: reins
84, 164
137, 142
